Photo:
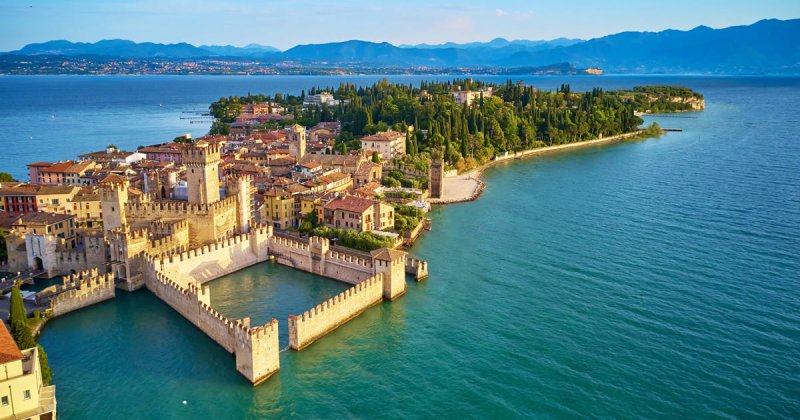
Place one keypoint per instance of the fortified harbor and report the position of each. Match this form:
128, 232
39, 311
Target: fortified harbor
174, 247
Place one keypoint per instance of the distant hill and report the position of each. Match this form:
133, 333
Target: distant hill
501, 42
125, 48
767, 46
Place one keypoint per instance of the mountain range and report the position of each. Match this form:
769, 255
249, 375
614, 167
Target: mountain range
767, 46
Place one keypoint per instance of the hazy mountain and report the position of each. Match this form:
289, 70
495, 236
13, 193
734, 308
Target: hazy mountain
767, 46
499, 43
250, 50
125, 48
112, 47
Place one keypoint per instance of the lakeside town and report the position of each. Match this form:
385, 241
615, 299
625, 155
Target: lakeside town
336, 182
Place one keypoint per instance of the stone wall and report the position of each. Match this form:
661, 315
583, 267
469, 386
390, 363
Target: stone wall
256, 348
218, 259
81, 290
417, 268
311, 325
208, 223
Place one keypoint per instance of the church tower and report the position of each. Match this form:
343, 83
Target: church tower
297, 141
113, 197
202, 172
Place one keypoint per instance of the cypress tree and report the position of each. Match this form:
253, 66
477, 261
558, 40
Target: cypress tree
17, 311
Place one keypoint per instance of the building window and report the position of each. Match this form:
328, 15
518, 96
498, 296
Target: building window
27, 394
4, 401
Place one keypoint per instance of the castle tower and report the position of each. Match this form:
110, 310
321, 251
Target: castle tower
297, 141
392, 263
113, 197
436, 179
239, 186
202, 172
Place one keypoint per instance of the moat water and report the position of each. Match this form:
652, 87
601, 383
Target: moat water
649, 279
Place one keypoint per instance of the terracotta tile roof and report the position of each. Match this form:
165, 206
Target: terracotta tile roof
351, 203
386, 254
9, 351
58, 167
384, 136
113, 179
311, 165
7, 220
40, 164
334, 177
41, 218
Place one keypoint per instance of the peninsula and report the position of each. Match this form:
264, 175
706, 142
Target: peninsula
333, 181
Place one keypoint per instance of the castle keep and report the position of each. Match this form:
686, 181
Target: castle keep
172, 247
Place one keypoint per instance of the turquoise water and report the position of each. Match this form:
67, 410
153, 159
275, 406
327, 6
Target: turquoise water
649, 279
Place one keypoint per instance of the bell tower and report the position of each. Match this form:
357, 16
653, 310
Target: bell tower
202, 172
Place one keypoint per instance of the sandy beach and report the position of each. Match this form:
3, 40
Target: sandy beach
468, 186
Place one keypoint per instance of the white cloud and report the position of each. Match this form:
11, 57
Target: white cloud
500, 12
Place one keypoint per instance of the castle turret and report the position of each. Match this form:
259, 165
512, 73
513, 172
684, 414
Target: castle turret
436, 179
391, 263
113, 197
297, 141
202, 172
239, 186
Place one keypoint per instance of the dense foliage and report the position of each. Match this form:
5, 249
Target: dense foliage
21, 331
364, 241
515, 117
407, 218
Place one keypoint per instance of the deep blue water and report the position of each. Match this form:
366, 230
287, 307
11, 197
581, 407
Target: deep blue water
648, 279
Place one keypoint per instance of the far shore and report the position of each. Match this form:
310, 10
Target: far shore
469, 186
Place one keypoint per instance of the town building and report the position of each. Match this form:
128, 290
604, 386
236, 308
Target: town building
390, 144
358, 213
468, 97
23, 394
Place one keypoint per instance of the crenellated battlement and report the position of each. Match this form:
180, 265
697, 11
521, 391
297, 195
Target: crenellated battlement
349, 259
290, 242
200, 154
416, 267
256, 349
78, 291
314, 323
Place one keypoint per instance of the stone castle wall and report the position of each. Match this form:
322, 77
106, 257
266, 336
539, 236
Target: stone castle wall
213, 261
311, 325
208, 223
81, 290
256, 348
417, 268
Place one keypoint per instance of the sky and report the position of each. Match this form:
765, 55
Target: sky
287, 23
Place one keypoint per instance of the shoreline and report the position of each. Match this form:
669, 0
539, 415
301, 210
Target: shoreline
474, 176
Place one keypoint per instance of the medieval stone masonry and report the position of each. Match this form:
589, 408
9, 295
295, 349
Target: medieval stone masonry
172, 247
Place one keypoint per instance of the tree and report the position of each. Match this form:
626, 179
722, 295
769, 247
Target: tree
376, 158
16, 313
6, 177
44, 365
219, 127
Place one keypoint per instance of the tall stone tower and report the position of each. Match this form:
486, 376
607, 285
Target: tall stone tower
436, 178
240, 186
202, 172
297, 141
113, 197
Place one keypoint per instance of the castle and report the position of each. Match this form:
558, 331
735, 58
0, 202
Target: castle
172, 247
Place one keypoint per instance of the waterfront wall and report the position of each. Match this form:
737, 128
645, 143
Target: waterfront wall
314, 323
81, 290
417, 268
256, 348
215, 260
